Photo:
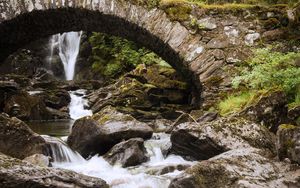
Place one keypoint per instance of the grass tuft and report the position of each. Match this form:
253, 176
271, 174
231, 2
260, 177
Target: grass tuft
235, 103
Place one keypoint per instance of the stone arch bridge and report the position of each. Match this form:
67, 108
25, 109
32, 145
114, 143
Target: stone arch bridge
202, 47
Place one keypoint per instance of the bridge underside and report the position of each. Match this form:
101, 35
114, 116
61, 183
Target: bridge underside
37, 24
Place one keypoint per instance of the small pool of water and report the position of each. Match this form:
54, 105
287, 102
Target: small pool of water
52, 128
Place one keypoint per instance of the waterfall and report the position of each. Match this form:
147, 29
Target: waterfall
68, 45
60, 152
53, 44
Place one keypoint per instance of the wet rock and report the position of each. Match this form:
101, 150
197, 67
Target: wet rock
25, 62
246, 167
43, 74
97, 134
56, 98
17, 173
288, 142
160, 125
160, 170
27, 107
294, 114
270, 109
38, 159
147, 93
184, 180
208, 117
57, 114
7, 89
203, 141
18, 140
128, 153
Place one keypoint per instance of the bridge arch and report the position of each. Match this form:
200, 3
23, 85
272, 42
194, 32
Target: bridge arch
25, 21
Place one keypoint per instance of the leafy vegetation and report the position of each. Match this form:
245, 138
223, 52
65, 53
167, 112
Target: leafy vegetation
269, 69
265, 71
113, 56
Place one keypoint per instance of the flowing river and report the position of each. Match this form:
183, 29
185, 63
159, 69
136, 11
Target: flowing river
156, 173
152, 174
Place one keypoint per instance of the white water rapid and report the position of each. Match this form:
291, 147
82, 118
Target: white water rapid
138, 176
60, 152
151, 174
156, 173
78, 103
68, 45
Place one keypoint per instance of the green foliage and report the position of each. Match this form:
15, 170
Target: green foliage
113, 56
235, 103
269, 69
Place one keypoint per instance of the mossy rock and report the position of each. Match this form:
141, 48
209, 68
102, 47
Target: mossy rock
287, 126
271, 23
109, 114
161, 77
177, 10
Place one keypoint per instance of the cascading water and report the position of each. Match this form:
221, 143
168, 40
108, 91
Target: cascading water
144, 175
149, 174
137, 176
60, 152
68, 45
53, 44
78, 104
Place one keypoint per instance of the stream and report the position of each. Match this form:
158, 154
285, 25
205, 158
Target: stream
144, 175
156, 173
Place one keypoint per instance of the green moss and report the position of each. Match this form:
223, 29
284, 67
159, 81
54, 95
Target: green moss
287, 126
145, 3
177, 10
103, 119
228, 6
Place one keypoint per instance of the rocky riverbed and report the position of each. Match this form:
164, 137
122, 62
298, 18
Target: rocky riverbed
201, 149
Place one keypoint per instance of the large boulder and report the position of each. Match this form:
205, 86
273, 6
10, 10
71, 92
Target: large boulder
128, 153
203, 141
38, 159
24, 62
27, 107
294, 114
288, 142
7, 89
18, 140
56, 99
97, 134
148, 92
245, 167
269, 109
17, 173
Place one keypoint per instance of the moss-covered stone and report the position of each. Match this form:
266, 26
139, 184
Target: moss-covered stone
177, 10
271, 23
287, 126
